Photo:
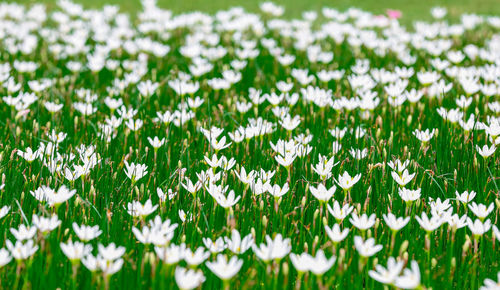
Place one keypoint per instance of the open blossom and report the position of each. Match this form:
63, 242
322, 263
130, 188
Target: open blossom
4, 210
156, 142
387, 275
20, 250
75, 251
286, 160
218, 145
225, 269
429, 225
410, 278
278, 191
346, 181
398, 166
197, 257
318, 264
216, 246
5, 257
335, 234
402, 179
324, 166
227, 201
245, 177
486, 151
86, 233
489, 284
456, 222
46, 225
340, 213
237, 245
408, 195
28, 154
172, 254
477, 227
481, 210
395, 223
273, 249
137, 209
135, 171
366, 248
363, 222
188, 279
52, 197
424, 136
322, 193
190, 186
466, 196
23, 232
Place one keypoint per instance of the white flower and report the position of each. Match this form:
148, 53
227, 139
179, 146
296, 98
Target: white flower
486, 151
197, 257
21, 251
480, 210
172, 254
363, 222
223, 269
324, 166
477, 227
410, 278
86, 233
227, 201
52, 197
23, 232
236, 245
188, 279
45, 225
216, 246
156, 142
456, 222
28, 155
335, 234
4, 210
137, 209
409, 195
274, 249
346, 181
424, 136
318, 265
75, 251
5, 257
394, 222
427, 224
111, 252
366, 248
278, 191
322, 193
404, 178
338, 212
135, 171
398, 166
387, 275
466, 196
490, 284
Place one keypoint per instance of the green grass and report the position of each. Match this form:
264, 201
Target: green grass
412, 9
449, 162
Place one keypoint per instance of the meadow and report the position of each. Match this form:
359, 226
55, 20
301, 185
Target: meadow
249, 147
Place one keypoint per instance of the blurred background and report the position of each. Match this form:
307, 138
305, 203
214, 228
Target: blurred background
412, 9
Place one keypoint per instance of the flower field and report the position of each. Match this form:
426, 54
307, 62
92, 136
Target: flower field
236, 150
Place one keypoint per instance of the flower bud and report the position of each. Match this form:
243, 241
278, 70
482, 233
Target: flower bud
404, 247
